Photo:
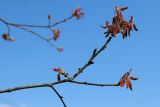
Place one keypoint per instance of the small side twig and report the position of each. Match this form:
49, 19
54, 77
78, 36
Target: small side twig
60, 97
93, 84
93, 54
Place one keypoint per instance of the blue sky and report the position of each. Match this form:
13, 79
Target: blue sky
29, 59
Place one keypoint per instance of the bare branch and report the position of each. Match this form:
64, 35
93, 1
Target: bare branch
95, 54
119, 25
51, 84
60, 97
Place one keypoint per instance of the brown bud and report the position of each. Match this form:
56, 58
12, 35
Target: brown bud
7, 37
49, 17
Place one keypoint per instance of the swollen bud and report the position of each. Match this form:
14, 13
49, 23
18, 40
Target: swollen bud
7, 37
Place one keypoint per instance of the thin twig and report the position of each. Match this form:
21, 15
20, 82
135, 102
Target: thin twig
95, 53
8, 28
7, 25
32, 86
24, 87
62, 21
31, 31
36, 34
60, 97
93, 84
37, 26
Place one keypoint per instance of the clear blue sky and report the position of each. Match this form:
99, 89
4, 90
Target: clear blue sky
29, 59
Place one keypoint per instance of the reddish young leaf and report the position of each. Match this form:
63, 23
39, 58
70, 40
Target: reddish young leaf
78, 13
128, 82
121, 83
114, 20
119, 25
60, 71
56, 33
115, 30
